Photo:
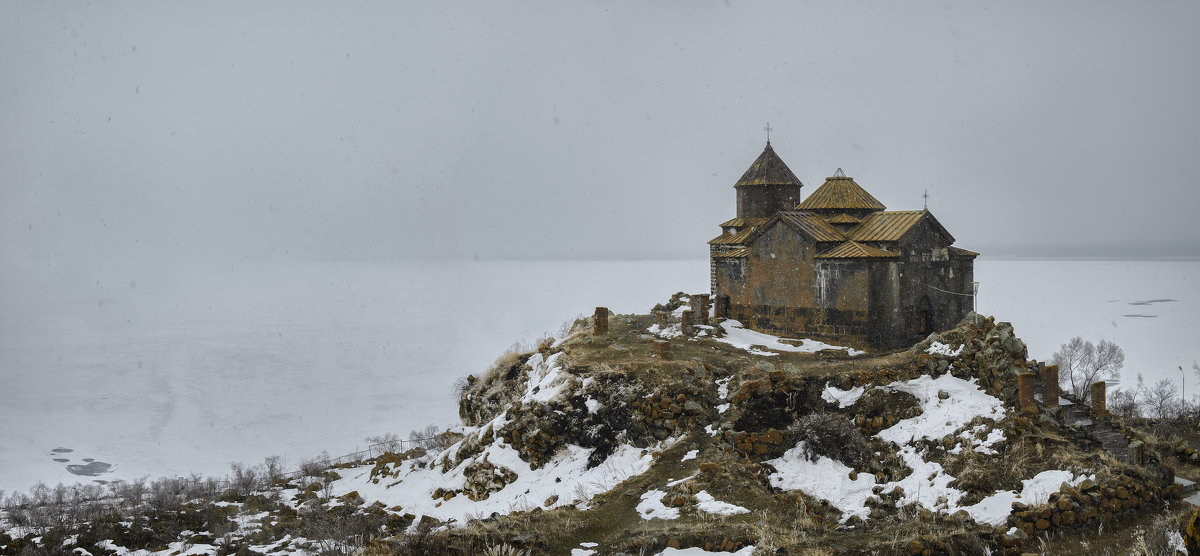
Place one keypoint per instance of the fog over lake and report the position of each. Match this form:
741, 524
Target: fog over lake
234, 230
173, 374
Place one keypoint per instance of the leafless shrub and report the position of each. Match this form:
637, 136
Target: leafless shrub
832, 436
388, 442
131, 493
245, 479
430, 438
1125, 403
504, 549
1162, 400
1156, 538
272, 468
1081, 363
461, 385
316, 466
166, 494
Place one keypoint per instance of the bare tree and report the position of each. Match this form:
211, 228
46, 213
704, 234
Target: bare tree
1162, 400
1125, 403
1080, 363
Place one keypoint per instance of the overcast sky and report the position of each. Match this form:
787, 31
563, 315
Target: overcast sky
163, 131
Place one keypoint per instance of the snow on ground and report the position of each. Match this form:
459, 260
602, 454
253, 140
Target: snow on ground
941, 417
695, 551
167, 373
824, 478
707, 504
652, 507
546, 381
842, 398
740, 337
944, 349
994, 509
564, 480
667, 332
928, 484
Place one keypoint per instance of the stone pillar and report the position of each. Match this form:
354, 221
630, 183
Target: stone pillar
600, 322
700, 305
1050, 390
1025, 384
685, 322
663, 349
1137, 452
1099, 399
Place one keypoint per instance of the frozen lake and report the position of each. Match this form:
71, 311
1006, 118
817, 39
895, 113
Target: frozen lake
173, 373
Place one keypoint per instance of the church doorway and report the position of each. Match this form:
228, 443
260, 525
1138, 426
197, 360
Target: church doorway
925, 322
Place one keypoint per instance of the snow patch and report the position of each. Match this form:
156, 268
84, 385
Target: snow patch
739, 337
842, 398
928, 484
941, 417
651, 506
565, 475
707, 504
994, 509
938, 348
696, 551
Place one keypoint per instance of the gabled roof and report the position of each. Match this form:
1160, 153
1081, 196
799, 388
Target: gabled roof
960, 252
812, 225
844, 218
840, 193
886, 226
739, 222
892, 225
742, 236
855, 250
768, 169
739, 253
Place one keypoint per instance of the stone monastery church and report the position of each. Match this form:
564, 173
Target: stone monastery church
835, 264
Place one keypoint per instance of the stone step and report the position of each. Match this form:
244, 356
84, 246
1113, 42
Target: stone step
1188, 486
1193, 499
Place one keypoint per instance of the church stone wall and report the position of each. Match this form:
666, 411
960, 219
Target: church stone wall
763, 201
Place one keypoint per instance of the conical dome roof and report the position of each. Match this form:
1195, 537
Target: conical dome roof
768, 169
840, 193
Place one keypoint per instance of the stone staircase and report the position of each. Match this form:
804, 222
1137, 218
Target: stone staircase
1190, 495
1110, 439
1115, 443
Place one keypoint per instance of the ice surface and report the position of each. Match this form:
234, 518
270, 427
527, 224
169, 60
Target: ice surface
172, 374
1050, 301
168, 374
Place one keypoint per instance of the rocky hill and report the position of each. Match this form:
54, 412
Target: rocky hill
639, 434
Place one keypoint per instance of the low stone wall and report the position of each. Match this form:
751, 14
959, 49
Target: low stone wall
844, 327
1089, 505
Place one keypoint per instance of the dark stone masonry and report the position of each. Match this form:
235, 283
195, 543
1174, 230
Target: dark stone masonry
835, 264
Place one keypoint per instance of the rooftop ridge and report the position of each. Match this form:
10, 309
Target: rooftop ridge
768, 169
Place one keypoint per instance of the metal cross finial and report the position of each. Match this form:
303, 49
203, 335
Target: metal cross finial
926, 196
768, 130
